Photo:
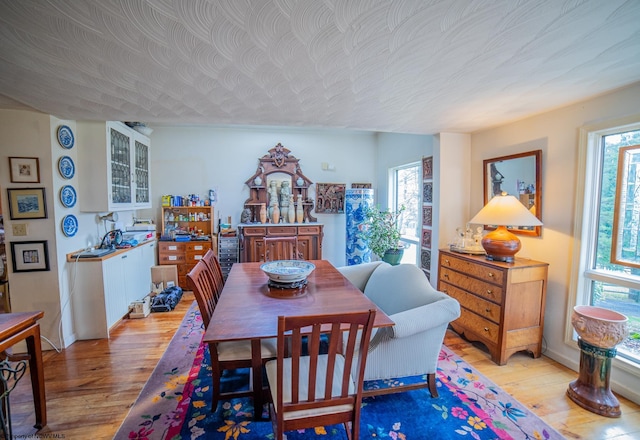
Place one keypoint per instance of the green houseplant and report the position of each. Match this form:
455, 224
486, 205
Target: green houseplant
381, 231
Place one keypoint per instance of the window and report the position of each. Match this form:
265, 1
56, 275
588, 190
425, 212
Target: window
405, 191
608, 272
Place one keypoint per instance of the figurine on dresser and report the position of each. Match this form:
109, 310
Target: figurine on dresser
285, 193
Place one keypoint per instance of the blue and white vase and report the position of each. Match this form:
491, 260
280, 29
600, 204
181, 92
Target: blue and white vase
357, 201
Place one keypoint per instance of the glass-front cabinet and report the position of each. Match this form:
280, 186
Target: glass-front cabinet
123, 155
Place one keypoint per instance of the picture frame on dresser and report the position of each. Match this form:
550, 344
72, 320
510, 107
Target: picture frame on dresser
519, 175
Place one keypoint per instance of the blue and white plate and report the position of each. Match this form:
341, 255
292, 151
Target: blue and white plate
66, 167
65, 137
287, 271
68, 196
70, 225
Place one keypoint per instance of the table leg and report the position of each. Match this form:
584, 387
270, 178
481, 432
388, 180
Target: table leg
37, 376
256, 370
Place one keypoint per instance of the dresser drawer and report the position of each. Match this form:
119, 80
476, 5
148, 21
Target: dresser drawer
281, 230
171, 247
486, 273
226, 243
193, 257
308, 230
489, 291
171, 258
198, 246
484, 308
480, 326
253, 230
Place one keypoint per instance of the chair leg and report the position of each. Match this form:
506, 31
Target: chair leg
431, 379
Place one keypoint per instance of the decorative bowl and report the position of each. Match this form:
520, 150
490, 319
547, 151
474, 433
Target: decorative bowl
287, 271
599, 327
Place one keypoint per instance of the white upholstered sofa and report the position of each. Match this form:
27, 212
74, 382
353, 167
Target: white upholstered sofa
421, 315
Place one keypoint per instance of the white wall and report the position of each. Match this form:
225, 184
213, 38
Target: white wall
556, 133
188, 160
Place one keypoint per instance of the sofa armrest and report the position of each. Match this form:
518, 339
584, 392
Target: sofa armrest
423, 318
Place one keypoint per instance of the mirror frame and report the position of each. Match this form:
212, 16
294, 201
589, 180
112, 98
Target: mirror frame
535, 231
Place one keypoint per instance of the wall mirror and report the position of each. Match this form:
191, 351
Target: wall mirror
521, 176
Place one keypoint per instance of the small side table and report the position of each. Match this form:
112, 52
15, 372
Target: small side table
23, 326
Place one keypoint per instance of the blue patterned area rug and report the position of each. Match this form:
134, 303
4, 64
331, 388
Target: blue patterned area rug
175, 404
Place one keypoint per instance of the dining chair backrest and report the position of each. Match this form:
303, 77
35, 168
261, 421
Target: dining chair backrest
281, 248
213, 265
204, 289
318, 388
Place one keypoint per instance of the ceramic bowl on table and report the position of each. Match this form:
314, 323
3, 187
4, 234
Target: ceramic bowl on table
287, 271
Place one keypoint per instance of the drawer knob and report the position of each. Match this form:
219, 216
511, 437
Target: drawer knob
446, 260
490, 274
487, 310
486, 329
489, 292
446, 276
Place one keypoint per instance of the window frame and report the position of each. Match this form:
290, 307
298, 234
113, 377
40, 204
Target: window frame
393, 202
588, 190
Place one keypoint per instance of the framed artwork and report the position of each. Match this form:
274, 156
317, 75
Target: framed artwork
27, 203
427, 168
330, 198
24, 169
30, 256
361, 186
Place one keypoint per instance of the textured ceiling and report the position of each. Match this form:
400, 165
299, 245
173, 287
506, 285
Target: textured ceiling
413, 66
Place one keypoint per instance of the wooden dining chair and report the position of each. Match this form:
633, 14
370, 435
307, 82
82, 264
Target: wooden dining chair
318, 389
281, 248
215, 270
225, 355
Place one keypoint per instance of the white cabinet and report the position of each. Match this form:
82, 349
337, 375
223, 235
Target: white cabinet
113, 167
105, 287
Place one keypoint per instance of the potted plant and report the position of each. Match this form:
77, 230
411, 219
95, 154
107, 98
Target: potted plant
381, 231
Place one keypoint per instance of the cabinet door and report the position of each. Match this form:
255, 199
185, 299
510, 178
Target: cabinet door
115, 296
141, 177
119, 142
305, 247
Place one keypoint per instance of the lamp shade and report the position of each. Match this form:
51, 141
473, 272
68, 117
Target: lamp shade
505, 210
502, 211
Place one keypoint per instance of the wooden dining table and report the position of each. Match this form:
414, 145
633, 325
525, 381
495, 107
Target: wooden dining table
248, 307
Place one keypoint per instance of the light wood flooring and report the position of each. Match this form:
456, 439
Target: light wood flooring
91, 385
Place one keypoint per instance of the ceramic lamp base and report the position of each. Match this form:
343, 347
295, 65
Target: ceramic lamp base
501, 245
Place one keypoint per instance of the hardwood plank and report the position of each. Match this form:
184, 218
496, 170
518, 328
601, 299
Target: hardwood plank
91, 385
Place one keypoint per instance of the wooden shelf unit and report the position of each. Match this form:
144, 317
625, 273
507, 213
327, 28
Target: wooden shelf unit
199, 220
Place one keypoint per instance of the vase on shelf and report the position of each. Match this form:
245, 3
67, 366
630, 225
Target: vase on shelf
263, 213
299, 211
275, 217
292, 210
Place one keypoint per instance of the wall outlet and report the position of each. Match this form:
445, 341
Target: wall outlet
19, 229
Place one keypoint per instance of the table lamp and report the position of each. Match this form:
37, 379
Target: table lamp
503, 210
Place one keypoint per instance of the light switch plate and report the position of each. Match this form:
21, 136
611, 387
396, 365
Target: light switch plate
19, 229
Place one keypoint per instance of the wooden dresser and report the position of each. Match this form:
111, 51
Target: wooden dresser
184, 254
502, 304
252, 245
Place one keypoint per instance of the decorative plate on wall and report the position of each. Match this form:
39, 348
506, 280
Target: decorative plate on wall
70, 225
65, 137
68, 196
66, 167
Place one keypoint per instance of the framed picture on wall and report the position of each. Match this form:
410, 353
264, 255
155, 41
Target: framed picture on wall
24, 169
30, 256
27, 203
